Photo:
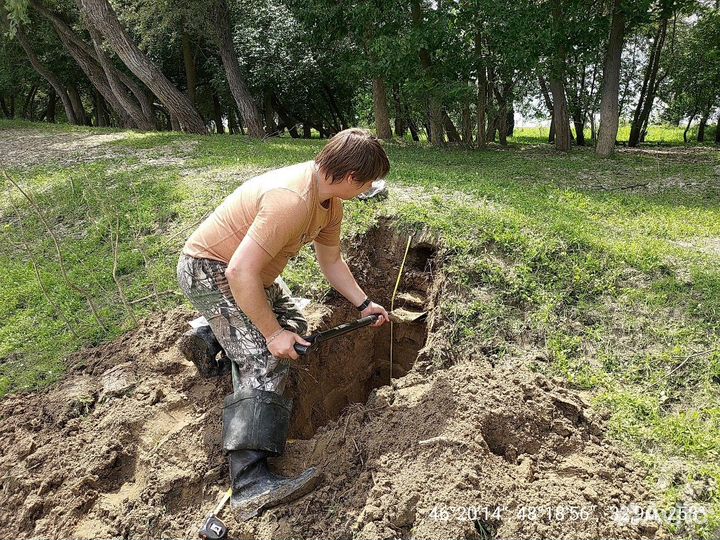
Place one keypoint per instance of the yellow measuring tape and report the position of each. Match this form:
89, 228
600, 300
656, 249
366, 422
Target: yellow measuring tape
392, 303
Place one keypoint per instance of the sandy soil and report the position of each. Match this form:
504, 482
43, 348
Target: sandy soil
128, 445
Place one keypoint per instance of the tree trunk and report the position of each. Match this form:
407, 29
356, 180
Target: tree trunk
400, 121
96, 75
649, 86
609, 104
335, 111
4, 107
129, 111
557, 85
561, 120
701, 126
103, 18
271, 127
47, 75
232, 124
290, 120
549, 104
450, 129
380, 109
481, 90
687, 128
502, 96
717, 130
101, 116
217, 114
412, 126
190, 68
645, 115
467, 127
510, 122
94, 69
307, 133
26, 111
501, 119
77, 105
249, 112
52, 101
579, 127
434, 103
492, 128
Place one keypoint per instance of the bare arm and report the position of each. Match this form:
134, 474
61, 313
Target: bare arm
336, 270
243, 275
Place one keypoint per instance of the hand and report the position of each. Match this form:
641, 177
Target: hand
378, 309
282, 346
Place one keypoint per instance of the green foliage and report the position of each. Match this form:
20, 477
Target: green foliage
13, 13
695, 86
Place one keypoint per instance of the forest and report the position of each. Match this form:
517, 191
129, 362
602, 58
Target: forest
449, 72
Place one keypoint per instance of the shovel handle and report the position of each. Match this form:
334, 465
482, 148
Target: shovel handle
335, 331
303, 349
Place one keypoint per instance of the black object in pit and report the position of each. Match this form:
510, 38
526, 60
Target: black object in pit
335, 331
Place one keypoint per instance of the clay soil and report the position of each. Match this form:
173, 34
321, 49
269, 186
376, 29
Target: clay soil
128, 444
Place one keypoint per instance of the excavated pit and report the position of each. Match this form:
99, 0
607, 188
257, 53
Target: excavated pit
129, 443
345, 370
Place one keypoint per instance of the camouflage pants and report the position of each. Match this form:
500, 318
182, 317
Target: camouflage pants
204, 283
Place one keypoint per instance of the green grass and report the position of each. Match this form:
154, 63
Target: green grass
552, 257
664, 135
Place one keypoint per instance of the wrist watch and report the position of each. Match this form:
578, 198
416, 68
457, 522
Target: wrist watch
365, 304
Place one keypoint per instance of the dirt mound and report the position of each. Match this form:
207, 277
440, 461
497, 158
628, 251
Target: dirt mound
129, 443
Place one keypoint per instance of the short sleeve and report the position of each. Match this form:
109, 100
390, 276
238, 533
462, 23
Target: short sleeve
281, 219
330, 234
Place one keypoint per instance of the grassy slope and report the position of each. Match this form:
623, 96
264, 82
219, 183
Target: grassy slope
550, 261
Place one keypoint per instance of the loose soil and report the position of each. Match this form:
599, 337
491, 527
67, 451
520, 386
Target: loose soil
128, 444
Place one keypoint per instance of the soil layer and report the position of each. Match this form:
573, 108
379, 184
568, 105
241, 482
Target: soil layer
128, 444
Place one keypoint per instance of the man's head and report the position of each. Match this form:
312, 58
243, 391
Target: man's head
351, 161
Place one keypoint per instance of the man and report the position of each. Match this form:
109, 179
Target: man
230, 271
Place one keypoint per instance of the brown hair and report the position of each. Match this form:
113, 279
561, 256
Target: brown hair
353, 150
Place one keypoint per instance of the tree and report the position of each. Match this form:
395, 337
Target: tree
248, 110
433, 98
609, 102
694, 87
70, 109
561, 119
102, 17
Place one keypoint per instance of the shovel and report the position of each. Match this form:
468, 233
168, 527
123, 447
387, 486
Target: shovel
399, 316
335, 331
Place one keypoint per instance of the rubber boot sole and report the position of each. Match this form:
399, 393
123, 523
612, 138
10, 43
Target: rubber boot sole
196, 349
247, 505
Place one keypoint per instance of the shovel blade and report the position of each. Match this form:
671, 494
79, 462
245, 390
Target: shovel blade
404, 316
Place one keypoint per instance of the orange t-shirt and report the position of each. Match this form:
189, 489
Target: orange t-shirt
279, 209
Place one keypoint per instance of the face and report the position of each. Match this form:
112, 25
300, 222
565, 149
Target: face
349, 188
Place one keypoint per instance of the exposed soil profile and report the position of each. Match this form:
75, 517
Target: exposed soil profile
345, 370
128, 445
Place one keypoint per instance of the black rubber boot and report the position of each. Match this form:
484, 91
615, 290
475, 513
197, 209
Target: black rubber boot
255, 488
200, 346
